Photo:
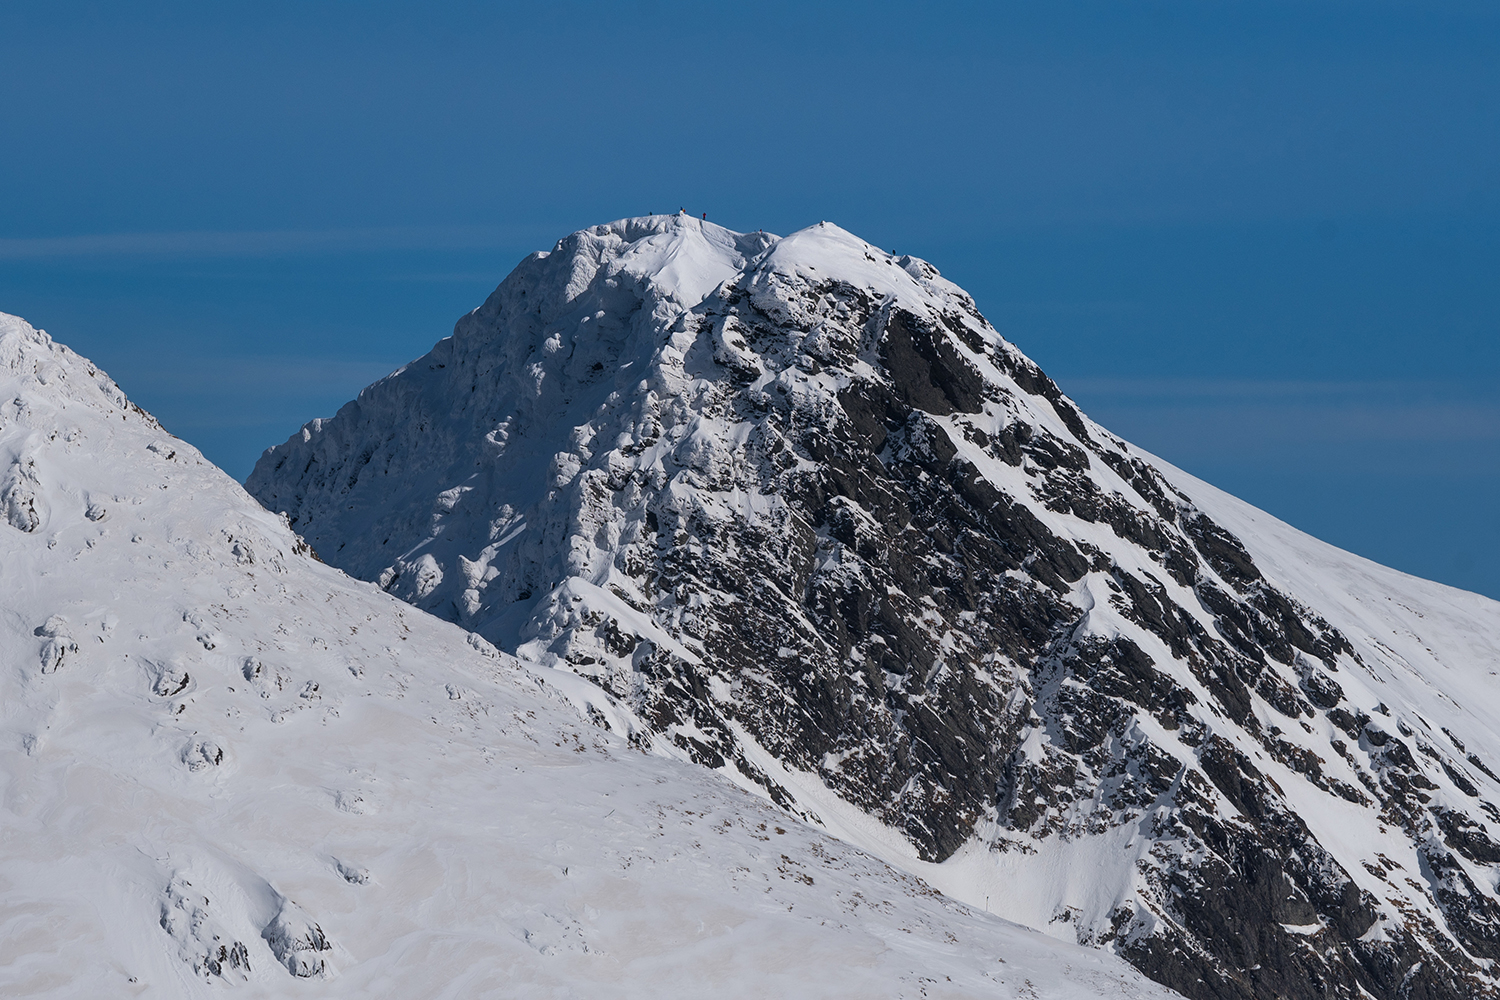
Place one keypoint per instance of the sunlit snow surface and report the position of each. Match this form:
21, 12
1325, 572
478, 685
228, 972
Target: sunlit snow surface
225, 766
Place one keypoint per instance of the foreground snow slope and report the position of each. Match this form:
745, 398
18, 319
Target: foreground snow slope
223, 764
802, 514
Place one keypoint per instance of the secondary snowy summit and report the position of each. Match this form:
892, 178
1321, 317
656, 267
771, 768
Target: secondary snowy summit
803, 515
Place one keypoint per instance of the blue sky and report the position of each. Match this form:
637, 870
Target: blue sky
1258, 239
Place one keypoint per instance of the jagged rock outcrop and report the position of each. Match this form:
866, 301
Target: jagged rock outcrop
801, 509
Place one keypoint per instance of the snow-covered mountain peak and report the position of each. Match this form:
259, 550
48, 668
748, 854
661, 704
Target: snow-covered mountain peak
49, 370
676, 257
825, 252
805, 517
15, 332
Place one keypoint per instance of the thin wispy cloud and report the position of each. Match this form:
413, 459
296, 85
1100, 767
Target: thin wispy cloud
262, 376
265, 243
1311, 390
1219, 418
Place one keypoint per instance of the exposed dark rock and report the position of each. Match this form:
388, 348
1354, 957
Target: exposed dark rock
925, 369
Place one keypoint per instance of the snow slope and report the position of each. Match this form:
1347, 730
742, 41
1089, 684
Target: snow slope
224, 765
801, 514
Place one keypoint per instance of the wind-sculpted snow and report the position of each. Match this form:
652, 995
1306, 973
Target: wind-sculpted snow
226, 769
801, 514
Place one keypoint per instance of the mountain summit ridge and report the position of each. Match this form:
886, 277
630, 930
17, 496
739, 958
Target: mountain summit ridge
803, 515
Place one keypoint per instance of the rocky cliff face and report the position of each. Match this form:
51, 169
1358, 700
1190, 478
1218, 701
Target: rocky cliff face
807, 518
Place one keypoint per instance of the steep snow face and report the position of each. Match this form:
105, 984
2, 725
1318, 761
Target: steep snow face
225, 765
807, 518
